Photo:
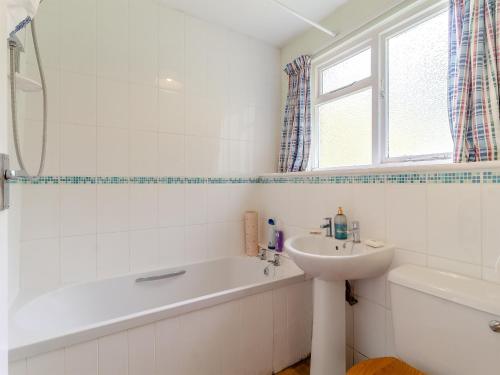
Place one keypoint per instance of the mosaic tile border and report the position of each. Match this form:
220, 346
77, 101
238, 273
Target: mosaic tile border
396, 178
140, 180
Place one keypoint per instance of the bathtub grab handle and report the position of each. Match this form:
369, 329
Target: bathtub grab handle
160, 277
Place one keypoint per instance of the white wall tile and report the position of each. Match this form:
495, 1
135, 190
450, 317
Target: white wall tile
195, 239
79, 35
217, 240
143, 206
118, 83
172, 248
112, 103
369, 210
218, 203
32, 147
143, 153
40, 268
369, 328
171, 205
196, 156
78, 259
78, 98
406, 216
390, 345
112, 254
490, 224
171, 109
171, 44
144, 250
51, 363
33, 108
195, 331
141, 350
143, 107
112, 152
78, 209
40, 216
281, 354
113, 354
229, 332
196, 204
171, 148
112, 208
166, 349
256, 333
454, 222
112, 39
48, 31
78, 150
236, 234
373, 289
81, 359
143, 41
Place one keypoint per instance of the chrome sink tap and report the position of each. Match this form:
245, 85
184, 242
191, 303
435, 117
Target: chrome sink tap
355, 231
328, 227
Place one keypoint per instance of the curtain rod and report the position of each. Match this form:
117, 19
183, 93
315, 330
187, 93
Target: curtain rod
305, 19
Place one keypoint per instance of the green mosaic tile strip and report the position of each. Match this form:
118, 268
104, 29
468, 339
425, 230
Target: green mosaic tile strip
44, 180
491, 177
112, 180
407, 178
454, 178
397, 178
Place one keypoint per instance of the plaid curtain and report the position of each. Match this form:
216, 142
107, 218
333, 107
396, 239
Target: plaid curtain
473, 79
296, 132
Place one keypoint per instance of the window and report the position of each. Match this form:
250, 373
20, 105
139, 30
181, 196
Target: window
345, 113
417, 90
383, 98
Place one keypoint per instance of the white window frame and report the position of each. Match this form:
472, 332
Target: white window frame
375, 38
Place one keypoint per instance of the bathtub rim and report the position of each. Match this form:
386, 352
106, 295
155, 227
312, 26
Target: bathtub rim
150, 316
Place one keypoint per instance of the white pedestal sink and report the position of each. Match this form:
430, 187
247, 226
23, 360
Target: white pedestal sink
331, 263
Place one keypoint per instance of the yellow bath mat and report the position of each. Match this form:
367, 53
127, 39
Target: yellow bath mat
383, 366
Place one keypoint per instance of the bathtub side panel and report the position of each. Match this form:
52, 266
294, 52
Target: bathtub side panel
257, 334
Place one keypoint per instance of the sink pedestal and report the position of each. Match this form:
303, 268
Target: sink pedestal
328, 341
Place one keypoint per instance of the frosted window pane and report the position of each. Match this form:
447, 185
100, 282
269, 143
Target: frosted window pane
347, 72
345, 127
418, 68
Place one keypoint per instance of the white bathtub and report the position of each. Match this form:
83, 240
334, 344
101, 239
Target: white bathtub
86, 312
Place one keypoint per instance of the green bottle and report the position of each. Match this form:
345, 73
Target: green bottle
340, 223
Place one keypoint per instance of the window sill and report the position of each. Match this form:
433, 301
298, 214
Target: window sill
407, 167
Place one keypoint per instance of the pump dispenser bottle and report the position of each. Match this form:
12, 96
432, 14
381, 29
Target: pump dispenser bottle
340, 224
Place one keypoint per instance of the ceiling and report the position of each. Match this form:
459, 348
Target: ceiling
261, 19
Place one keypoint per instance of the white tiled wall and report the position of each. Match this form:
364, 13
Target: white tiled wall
253, 335
138, 89
446, 226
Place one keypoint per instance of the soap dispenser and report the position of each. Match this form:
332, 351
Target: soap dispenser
340, 223
271, 225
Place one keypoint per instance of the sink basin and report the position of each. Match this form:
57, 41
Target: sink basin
329, 259
331, 262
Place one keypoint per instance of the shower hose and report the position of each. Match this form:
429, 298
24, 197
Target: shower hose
15, 126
